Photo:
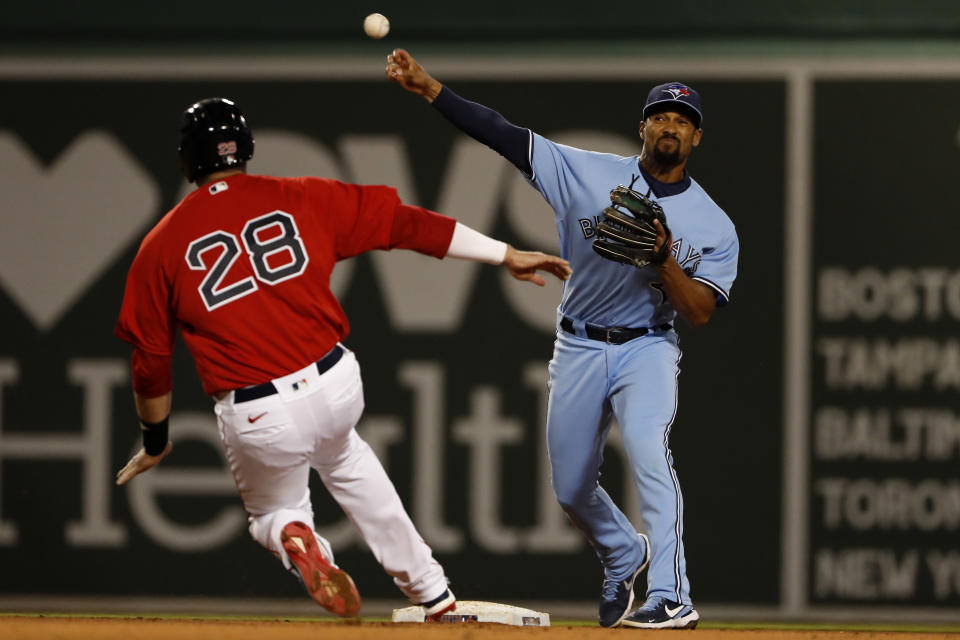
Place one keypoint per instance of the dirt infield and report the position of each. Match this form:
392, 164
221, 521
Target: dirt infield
69, 628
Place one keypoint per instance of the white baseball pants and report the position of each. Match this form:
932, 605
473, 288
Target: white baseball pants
272, 442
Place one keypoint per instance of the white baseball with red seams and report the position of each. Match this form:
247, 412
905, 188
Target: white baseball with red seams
376, 25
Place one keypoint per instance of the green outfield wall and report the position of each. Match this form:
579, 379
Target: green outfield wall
233, 25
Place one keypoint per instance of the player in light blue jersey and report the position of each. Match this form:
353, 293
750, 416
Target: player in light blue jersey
616, 354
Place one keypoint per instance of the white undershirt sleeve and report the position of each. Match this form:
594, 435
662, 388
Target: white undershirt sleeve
468, 244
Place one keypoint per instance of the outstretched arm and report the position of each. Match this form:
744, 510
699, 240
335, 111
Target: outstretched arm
481, 123
469, 244
437, 235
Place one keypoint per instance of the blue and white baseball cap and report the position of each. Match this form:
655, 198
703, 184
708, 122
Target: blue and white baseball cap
674, 96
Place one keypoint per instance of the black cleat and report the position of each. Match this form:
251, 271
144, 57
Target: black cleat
617, 598
659, 613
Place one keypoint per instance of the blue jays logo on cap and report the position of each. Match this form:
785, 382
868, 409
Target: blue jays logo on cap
676, 96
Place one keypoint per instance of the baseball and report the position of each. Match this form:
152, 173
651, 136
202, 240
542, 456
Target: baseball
376, 25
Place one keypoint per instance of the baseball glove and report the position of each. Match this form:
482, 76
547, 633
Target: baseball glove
629, 236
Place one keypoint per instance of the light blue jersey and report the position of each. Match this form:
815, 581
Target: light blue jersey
577, 184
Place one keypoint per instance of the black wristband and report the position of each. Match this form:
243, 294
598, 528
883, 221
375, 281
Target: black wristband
155, 436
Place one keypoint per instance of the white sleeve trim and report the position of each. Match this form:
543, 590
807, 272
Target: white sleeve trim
468, 244
533, 172
715, 287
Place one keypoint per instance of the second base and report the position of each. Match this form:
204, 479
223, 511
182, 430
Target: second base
476, 611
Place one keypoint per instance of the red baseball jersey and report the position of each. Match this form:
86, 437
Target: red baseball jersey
243, 267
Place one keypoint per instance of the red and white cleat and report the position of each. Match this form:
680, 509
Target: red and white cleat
435, 609
329, 585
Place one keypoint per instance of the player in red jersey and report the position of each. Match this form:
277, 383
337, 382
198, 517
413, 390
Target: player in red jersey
242, 266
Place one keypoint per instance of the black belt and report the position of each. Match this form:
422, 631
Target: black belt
611, 335
246, 394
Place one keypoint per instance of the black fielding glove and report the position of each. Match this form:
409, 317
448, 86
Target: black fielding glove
629, 236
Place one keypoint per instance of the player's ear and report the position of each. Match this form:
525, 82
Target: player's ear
643, 124
696, 137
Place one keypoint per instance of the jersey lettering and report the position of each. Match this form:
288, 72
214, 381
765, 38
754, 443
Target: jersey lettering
588, 227
261, 250
210, 288
690, 263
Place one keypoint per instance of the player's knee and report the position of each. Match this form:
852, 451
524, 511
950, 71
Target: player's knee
648, 460
647, 453
573, 497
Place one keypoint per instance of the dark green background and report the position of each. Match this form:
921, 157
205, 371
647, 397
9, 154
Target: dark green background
230, 26
886, 154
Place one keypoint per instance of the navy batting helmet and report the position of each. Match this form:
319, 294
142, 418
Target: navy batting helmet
214, 136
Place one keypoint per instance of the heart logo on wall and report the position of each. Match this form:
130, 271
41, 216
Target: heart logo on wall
65, 224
